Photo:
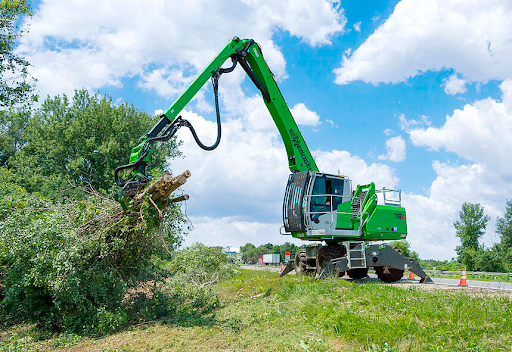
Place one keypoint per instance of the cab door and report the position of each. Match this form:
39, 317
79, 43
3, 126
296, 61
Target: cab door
325, 193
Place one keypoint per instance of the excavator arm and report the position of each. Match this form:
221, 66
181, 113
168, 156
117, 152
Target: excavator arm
248, 54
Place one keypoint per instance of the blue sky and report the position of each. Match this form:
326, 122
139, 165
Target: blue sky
408, 94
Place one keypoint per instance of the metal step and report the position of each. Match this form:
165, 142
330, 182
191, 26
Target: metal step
356, 204
356, 254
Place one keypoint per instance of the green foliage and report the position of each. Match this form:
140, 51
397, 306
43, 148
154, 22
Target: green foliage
81, 142
15, 82
69, 267
469, 228
252, 253
489, 260
449, 265
504, 226
201, 265
187, 292
13, 123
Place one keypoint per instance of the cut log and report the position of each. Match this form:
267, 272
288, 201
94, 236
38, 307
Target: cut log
162, 188
179, 199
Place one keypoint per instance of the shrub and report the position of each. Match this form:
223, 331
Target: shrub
69, 267
195, 269
201, 265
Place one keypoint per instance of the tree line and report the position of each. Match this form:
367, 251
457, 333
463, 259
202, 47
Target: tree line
471, 226
251, 253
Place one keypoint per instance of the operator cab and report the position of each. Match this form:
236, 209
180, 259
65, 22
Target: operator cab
312, 199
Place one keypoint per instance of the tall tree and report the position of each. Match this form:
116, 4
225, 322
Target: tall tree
469, 228
82, 141
16, 84
13, 123
504, 226
504, 229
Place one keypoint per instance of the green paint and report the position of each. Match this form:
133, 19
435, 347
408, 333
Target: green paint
386, 222
344, 221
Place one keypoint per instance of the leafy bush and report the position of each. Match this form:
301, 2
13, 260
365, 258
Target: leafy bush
69, 267
201, 265
195, 269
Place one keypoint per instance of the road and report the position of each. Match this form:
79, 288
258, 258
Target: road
501, 286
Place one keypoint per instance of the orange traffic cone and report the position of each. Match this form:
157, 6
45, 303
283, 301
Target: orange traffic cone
463, 282
411, 275
282, 267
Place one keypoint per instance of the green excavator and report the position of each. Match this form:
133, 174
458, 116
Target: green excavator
317, 206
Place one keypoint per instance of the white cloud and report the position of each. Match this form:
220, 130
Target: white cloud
95, 44
166, 82
388, 131
332, 123
355, 168
431, 217
234, 231
357, 26
304, 116
471, 37
395, 149
407, 125
246, 174
479, 132
454, 85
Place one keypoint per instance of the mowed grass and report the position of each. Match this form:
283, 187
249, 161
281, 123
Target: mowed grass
261, 312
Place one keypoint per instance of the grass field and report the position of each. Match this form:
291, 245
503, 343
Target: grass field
260, 312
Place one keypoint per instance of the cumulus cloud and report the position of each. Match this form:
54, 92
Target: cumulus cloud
479, 133
246, 174
304, 116
471, 37
357, 26
395, 149
235, 231
454, 85
95, 44
355, 168
431, 217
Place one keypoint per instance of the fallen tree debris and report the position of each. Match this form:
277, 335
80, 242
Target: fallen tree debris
161, 188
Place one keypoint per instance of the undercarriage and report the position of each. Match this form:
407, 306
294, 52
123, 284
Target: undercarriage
353, 258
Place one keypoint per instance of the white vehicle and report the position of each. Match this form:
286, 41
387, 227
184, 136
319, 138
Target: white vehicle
271, 259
